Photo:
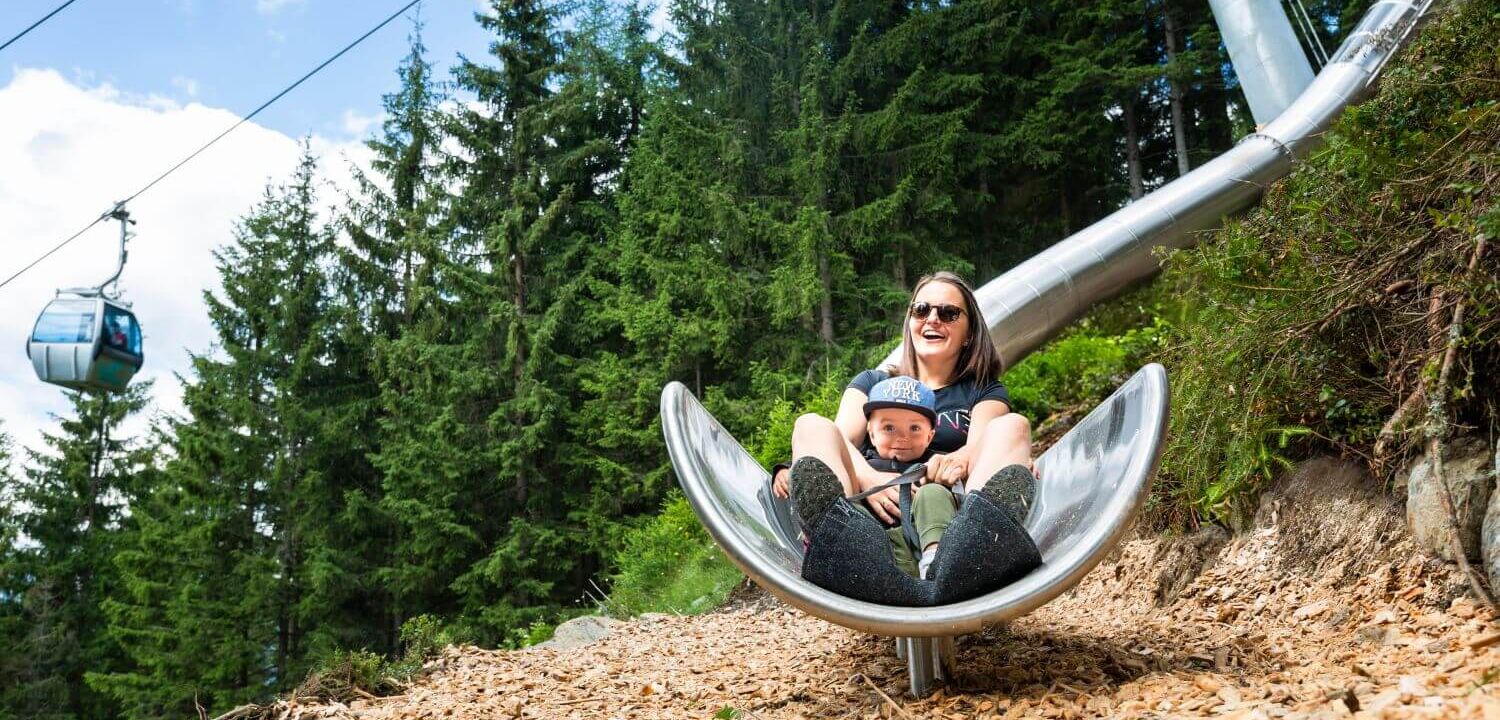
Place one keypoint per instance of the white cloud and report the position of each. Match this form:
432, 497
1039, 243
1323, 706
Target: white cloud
661, 20
357, 125
271, 7
187, 85
68, 154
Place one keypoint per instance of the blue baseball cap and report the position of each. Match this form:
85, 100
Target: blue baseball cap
903, 393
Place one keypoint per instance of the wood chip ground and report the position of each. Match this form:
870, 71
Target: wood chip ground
1247, 638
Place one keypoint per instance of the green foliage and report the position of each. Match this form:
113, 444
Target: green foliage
422, 638
1078, 370
670, 564
537, 632
343, 674
773, 442
338, 676
71, 507
1309, 320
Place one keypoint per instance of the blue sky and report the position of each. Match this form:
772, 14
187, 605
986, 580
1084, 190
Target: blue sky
235, 54
108, 94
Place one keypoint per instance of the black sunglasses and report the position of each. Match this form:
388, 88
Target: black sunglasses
946, 313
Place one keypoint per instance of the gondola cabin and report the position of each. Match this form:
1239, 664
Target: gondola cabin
86, 343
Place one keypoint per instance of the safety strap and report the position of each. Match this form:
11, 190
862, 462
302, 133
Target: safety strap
908, 478
904, 481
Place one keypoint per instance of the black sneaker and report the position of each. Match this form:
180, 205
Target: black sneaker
814, 488
1013, 490
984, 549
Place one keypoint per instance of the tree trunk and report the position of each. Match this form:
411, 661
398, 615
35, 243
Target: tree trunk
900, 270
1179, 120
518, 371
825, 309
406, 281
1133, 150
1066, 211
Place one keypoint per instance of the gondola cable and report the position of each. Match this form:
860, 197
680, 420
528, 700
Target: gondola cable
34, 26
216, 139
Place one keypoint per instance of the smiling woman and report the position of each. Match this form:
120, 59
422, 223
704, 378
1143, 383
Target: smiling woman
976, 432
977, 439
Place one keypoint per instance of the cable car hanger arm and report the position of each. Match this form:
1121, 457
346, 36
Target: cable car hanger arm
119, 213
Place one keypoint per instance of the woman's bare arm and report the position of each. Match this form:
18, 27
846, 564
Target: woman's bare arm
954, 467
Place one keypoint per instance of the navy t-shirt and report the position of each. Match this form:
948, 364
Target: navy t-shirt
954, 403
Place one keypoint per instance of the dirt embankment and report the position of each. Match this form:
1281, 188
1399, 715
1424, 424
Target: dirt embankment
1323, 610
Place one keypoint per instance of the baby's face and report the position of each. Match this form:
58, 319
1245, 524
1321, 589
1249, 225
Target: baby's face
899, 434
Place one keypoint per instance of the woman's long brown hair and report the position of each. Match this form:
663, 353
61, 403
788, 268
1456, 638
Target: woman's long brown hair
978, 359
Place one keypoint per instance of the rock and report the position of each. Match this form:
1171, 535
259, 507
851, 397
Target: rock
579, 632
1440, 645
1376, 635
1313, 609
1490, 537
1468, 468
1411, 688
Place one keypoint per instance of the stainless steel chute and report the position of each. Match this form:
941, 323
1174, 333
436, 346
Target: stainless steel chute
1099, 474
1095, 480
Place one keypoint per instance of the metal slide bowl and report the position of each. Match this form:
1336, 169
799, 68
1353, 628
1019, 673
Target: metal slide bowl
1094, 482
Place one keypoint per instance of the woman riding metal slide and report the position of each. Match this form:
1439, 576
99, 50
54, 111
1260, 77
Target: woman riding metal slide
942, 347
1097, 476
941, 351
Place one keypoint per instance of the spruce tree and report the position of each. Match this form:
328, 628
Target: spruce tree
674, 299
517, 208
71, 508
241, 573
386, 287
13, 584
195, 611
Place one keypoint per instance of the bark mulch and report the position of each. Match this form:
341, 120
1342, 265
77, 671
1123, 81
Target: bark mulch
1253, 635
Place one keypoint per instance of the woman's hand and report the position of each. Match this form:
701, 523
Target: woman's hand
886, 505
948, 470
780, 486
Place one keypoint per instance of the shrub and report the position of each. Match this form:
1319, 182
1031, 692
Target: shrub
342, 673
1079, 369
1318, 314
670, 564
773, 442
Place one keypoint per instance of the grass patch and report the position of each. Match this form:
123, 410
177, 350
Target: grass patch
346, 675
1079, 369
670, 564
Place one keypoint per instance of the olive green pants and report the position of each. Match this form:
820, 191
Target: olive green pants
932, 508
